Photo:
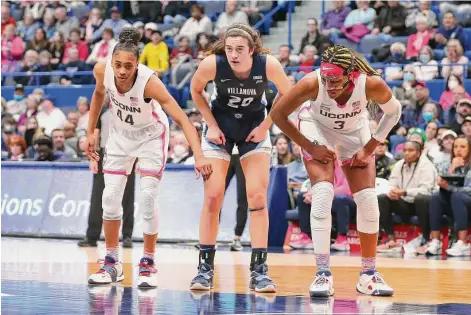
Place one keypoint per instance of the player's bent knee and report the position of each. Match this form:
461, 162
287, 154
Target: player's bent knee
322, 196
148, 203
213, 200
111, 203
256, 198
367, 211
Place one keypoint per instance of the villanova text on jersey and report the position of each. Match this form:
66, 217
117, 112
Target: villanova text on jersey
233, 95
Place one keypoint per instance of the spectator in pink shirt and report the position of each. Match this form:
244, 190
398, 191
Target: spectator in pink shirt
80, 45
12, 48
420, 39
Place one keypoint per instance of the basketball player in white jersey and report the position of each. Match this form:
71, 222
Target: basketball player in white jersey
138, 129
337, 118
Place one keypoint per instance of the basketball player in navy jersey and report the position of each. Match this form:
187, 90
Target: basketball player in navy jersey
337, 117
138, 129
236, 116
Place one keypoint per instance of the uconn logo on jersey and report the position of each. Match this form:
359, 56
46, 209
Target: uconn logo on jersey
126, 108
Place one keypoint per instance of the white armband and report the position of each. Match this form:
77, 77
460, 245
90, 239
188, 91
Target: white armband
392, 113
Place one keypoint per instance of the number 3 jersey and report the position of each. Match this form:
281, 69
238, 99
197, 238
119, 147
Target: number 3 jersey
136, 122
346, 118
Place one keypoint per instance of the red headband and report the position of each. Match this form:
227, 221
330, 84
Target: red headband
331, 70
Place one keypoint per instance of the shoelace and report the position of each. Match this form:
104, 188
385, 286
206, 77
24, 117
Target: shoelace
107, 266
378, 278
148, 269
321, 280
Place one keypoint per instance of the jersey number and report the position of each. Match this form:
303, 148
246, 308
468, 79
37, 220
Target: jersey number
340, 124
128, 118
235, 101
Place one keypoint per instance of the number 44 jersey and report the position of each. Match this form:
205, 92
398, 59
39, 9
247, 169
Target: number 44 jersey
345, 118
135, 121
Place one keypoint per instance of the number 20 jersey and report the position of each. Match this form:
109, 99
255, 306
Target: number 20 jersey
240, 97
346, 118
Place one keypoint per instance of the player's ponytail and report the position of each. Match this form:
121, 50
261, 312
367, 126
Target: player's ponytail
239, 30
128, 41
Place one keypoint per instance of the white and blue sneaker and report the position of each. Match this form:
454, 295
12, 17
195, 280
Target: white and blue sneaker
323, 285
204, 279
260, 281
147, 274
111, 271
372, 283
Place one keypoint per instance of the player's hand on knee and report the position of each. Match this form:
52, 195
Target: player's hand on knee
361, 159
93, 166
257, 135
215, 135
321, 153
203, 168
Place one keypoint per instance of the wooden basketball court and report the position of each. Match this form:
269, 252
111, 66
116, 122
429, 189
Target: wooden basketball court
50, 276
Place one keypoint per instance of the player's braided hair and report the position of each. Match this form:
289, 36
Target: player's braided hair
239, 30
346, 59
128, 41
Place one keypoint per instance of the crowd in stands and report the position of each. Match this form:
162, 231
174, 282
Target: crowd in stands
426, 159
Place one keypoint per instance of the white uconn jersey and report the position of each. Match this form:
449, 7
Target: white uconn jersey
130, 110
343, 119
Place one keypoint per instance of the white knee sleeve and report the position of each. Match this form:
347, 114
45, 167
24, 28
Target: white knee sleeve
367, 211
113, 196
148, 201
321, 217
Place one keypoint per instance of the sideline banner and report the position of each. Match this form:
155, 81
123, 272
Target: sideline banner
53, 199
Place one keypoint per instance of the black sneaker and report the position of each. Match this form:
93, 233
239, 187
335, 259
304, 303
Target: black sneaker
204, 280
260, 281
87, 243
127, 242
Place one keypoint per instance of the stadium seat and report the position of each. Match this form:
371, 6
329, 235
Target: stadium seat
467, 31
467, 54
347, 43
367, 44
400, 39
292, 215
438, 54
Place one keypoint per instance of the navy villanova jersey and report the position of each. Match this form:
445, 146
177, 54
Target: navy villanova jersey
243, 97
239, 106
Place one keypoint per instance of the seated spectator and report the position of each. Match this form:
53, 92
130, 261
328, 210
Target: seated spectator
93, 23
176, 12
17, 105
83, 108
39, 41
448, 30
312, 37
198, 23
334, 19
431, 132
32, 104
50, 117
362, 15
75, 42
462, 11
73, 65
413, 134
454, 92
70, 135
284, 53
73, 117
44, 149
12, 48
17, 148
103, 50
202, 43
149, 29
29, 64
27, 28
45, 65
443, 152
309, 59
281, 144
64, 24
430, 114
390, 21
57, 48
426, 68
454, 54
80, 147
140, 27
252, 9
383, 162
49, 25
60, 148
8, 131
412, 112
463, 109
297, 173
181, 52
180, 149
6, 18
466, 127
230, 16
405, 93
32, 129
397, 58
411, 183
452, 199
155, 54
115, 23
420, 39
422, 11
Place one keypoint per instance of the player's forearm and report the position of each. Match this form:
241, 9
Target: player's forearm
202, 104
392, 113
95, 107
193, 138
